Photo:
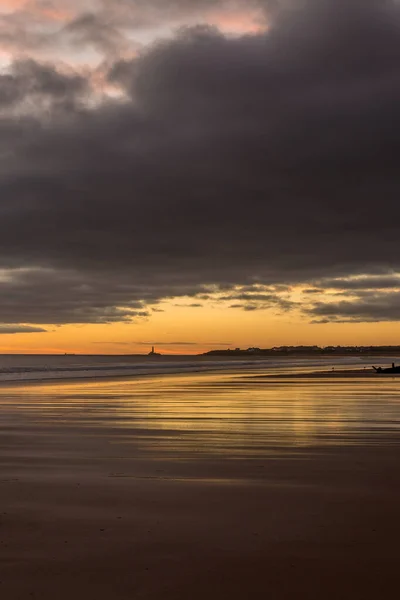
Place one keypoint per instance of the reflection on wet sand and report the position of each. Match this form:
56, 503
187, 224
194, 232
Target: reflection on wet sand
214, 414
202, 486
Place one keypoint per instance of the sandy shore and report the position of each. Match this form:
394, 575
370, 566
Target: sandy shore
122, 491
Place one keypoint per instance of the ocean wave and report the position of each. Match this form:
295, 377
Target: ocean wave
88, 371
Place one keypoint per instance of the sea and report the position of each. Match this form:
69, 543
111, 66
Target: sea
14, 368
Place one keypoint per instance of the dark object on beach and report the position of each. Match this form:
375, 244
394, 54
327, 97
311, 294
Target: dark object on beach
392, 369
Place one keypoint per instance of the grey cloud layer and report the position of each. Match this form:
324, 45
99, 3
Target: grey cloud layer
268, 158
360, 283
366, 308
14, 329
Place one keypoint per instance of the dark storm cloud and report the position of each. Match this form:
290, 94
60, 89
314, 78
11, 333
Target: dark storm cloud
70, 296
261, 159
30, 81
373, 308
65, 297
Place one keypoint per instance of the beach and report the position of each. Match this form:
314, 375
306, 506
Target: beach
200, 485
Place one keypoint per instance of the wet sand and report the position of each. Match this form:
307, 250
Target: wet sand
205, 486
323, 374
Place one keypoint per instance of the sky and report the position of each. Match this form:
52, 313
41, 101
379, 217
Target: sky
198, 174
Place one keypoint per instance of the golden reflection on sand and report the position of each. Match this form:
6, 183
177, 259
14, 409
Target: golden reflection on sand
215, 414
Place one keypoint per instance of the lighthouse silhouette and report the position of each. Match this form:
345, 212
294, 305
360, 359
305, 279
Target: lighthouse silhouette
153, 353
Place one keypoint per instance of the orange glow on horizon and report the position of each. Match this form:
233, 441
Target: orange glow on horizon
201, 329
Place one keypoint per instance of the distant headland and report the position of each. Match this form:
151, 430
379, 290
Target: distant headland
280, 351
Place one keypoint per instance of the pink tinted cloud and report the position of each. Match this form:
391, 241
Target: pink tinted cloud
237, 22
11, 5
61, 30
53, 11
